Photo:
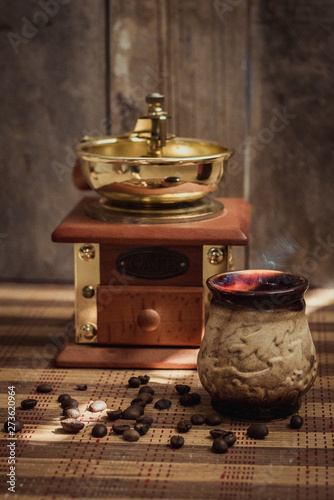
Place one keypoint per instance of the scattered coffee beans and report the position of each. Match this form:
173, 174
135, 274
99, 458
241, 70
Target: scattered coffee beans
144, 420
296, 421
114, 414
190, 399
98, 405
120, 428
176, 442
146, 396
71, 413
82, 387
134, 382
182, 389
195, 397
148, 389
163, 404
142, 428
15, 426
184, 426
219, 445
44, 388
257, 430
230, 438
131, 435
64, 397
133, 412
144, 379
138, 401
197, 419
99, 430
28, 404
72, 425
69, 403
218, 433
213, 419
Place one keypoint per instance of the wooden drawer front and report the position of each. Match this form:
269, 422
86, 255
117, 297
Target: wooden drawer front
132, 315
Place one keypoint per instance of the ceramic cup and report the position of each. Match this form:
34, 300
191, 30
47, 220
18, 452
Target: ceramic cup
257, 356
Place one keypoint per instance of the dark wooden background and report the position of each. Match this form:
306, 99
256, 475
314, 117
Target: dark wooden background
256, 76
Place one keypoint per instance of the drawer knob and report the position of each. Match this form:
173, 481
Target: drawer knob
148, 320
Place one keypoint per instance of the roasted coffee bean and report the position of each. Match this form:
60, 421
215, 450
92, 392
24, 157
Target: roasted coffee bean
296, 421
134, 382
144, 420
98, 405
257, 430
218, 433
142, 428
184, 426
197, 419
190, 399
146, 388
69, 403
82, 387
144, 379
230, 438
71, 413
176, 442
120, 428
146, 396
163, 404
131, 435
219, 445
133, 412
213, 419
114, 414
182, 389
195, 397
11, 426
138, 401
72, 425
44, 388
28, 404
64, 397
99, 430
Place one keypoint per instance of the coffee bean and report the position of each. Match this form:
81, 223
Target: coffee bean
15, 426
197, 419
176, 442
133, 412
70, 403
144, 420
195, 397
163, 404
71, 413
97, 405
120, 428
213, 419
131, 435
114, 414
230, 438
219, 445
182, 389
218, 433
64, 397
72, 425
99, 430
44, 388
144, 379
28, 404
82, 387
146, 396
296, 421
138, 401
257, 430
148, 389
190, 399
184, 426
134, 382
142, 429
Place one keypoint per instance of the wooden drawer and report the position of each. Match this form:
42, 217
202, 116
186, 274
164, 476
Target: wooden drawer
138, 315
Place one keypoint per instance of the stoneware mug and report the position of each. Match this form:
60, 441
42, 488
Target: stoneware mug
257, 357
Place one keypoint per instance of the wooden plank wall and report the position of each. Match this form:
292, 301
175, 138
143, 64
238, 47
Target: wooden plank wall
227, 68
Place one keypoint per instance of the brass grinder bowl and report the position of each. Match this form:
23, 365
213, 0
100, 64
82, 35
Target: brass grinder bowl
121, 170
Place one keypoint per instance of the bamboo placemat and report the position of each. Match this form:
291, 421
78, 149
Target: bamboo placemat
288, 464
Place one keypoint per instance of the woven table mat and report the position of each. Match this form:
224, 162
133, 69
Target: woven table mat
49, 463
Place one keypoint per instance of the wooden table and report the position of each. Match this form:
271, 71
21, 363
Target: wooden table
49, 463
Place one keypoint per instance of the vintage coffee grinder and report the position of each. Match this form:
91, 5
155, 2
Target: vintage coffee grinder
144, 248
